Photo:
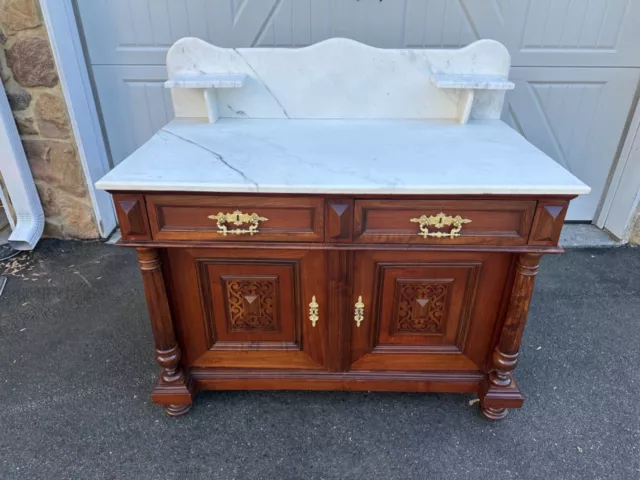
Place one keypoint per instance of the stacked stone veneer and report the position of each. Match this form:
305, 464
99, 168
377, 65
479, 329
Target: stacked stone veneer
29, 75
635, 229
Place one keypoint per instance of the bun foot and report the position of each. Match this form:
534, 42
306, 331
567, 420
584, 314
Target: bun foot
494, 413
177, 410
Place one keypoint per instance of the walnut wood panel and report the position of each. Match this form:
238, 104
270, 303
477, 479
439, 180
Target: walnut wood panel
426, 311
340, 273
186, 217
249, 309
132, 216
493, 222
548, 221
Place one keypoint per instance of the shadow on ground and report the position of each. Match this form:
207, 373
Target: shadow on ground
77, 366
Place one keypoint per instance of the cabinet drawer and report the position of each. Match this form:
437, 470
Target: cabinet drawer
482, 222
235, 218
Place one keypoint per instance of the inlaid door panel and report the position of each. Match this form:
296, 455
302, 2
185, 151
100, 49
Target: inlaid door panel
425, 310
249, 308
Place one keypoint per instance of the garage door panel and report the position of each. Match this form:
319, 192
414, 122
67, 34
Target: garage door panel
576, 116
139, 32
396, 24
536, 32
134, 105
577, 33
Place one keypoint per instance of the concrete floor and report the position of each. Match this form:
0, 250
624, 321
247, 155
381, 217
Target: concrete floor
581, 235
77, 365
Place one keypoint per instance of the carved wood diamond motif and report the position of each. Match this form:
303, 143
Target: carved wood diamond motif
420, 307
252, 304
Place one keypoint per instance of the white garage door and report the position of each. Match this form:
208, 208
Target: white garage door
576, 62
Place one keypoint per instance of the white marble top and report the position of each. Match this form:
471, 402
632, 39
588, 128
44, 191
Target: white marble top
341, 157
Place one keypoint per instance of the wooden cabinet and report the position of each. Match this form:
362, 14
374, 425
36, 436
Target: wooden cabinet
308, 292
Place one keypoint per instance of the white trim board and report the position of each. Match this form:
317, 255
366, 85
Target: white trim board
60, 19
623, 193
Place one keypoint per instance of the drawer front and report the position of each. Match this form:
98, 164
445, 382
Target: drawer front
443, 222
235, 218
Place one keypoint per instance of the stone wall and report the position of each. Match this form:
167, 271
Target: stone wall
28, 72
635, 229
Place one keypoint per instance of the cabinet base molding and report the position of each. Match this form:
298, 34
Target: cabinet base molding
241, 379
175, 396
494, 399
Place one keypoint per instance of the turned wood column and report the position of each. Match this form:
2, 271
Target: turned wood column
500, 391
172, 386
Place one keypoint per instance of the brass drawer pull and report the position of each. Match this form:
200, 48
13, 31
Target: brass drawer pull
237, 218
439, 221
359, 312
314, 309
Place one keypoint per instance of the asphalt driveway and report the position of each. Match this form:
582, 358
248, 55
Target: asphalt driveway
76, 368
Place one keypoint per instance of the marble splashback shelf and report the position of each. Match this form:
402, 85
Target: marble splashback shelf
338, 79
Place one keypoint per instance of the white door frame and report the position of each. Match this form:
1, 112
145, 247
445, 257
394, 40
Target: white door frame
623, 192
60, 19
618, 205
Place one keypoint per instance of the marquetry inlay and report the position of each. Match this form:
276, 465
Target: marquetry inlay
252, 304
420, 307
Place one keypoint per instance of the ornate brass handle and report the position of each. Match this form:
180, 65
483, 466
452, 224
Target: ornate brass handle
358, 315
438, 221
237, 218
314, 311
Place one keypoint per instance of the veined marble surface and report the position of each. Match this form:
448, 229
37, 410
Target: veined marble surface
342, 157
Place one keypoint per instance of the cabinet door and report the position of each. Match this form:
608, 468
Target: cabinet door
426, 310
249, 308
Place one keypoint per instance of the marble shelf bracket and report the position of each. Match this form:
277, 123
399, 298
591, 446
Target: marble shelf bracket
209, 83
467, 85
